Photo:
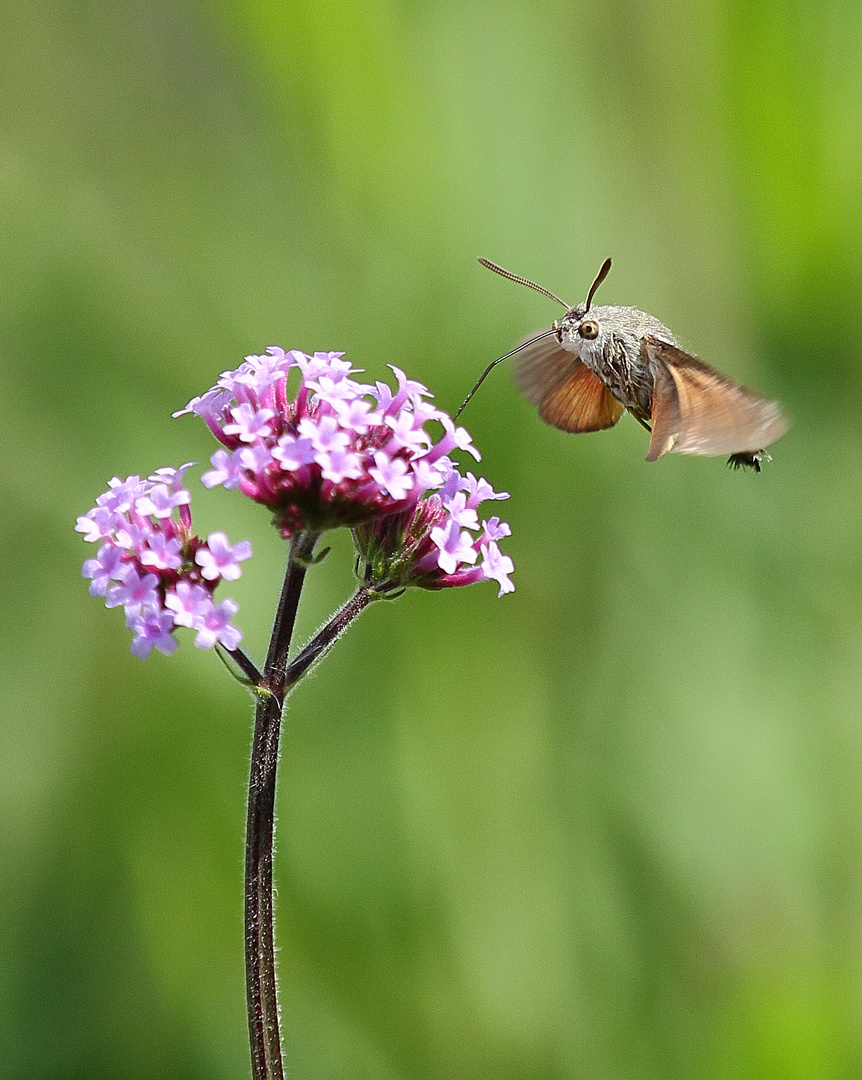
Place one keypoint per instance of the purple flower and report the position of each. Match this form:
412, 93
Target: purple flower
355, 414
134, 591
172, 477
122, 494
99, 524
339, 464
455, 546
165, 492
161, 501
219, 560
189, 604
497, 567
152, 631
392, 474
215, 627
461, 513
152, 565
292, 452
324, 434
406, 434
105, 568
162, 552
226, 470
250, 424
494, 529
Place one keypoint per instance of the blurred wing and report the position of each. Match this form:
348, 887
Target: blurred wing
541, 365
697, 410
666, 414
569, 395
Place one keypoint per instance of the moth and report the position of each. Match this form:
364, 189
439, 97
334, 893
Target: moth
597, 362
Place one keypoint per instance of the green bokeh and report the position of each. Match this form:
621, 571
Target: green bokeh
607, 828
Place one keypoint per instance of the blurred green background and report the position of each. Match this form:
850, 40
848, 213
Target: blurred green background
607, 828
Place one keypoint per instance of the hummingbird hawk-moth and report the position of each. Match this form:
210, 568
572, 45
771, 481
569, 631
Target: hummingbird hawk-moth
597, 362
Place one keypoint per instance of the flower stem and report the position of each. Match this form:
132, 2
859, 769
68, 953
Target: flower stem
246, 665
301, 547
323, 641
261, 985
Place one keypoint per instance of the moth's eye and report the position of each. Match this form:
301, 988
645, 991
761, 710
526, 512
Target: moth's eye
588, 329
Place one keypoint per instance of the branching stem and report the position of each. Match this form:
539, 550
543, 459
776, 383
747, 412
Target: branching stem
259, 933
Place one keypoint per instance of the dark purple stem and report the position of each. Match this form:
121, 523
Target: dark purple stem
246, 665
322, 642
261, 987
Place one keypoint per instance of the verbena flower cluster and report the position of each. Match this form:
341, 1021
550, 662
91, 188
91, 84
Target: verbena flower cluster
337, 453
342, 452
152, 565
430, 543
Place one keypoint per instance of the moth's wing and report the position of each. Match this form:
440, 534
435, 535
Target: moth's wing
697, 410
580, 402
569, 395
542, 364
666, 412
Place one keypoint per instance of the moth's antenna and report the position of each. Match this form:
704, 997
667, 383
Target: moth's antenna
499, 359
532, 285
600, 277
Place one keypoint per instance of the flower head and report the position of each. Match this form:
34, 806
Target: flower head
342, 452
336, 452
432, 544
153, 566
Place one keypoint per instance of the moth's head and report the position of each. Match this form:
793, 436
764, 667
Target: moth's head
580, 329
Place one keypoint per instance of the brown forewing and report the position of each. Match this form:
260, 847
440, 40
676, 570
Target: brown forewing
697, 410
542, 364
569, 395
